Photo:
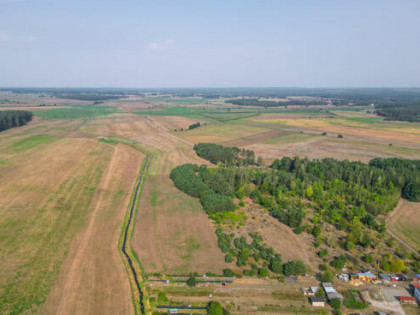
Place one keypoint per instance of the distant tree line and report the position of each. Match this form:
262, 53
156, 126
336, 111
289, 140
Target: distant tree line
256, 102
193, 126
229, 156
97, 98
14, 118
404, 111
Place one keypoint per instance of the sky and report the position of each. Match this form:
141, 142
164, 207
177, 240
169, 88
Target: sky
213, 43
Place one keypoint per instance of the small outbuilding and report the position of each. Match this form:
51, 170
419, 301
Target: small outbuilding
317, 301
407, 300
385, 278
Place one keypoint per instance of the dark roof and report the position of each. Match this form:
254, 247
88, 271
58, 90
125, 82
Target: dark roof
317, 299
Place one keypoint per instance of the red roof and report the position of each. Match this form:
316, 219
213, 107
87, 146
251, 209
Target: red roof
416, 285
407, 298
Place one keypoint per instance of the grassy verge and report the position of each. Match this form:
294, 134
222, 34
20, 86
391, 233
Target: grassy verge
141, 274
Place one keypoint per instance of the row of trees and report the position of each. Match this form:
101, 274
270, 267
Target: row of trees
257, 102
14, 118
193, 126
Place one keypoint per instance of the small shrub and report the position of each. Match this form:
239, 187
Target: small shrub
335, 304
214, 308
327, 276
322, 253
229, 258
262, 272
162, 299
228, 272
191, 282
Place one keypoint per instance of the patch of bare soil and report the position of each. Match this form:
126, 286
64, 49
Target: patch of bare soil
379, 135
252, 139
279, 236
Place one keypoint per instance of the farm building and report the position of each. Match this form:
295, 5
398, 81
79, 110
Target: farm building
344, 276
309, 291
417, 292
384, 277
366, 276
318, 302
413, 278
407, 300
331, 292
313, 290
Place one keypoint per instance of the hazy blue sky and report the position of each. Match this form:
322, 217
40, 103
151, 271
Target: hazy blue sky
183, 43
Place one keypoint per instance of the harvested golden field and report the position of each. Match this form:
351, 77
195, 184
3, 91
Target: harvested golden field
64, 196
92, 278
222, 133
172, 232
45, 202
404, 222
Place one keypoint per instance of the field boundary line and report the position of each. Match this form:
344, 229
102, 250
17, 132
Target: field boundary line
136, 274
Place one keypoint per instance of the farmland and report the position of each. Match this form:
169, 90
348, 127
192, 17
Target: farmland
66, 194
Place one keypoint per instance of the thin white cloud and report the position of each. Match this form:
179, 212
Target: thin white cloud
30, 39
161, 46
4, 36
11, 1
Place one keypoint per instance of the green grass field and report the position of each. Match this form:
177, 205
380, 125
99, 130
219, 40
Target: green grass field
32, 142
75, 112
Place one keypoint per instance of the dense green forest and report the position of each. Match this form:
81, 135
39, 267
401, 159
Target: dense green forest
213, 198
405, 111
310, 196
256, 102
14, 118
229, 156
